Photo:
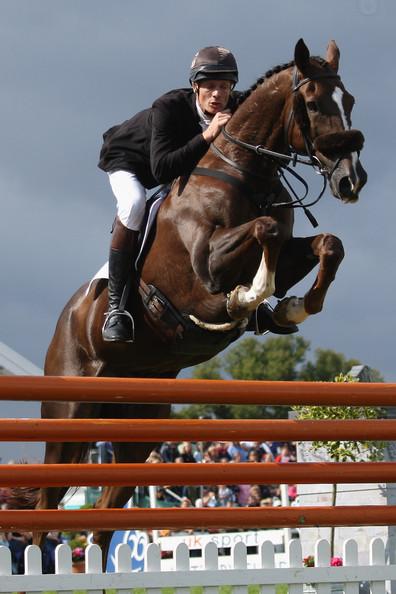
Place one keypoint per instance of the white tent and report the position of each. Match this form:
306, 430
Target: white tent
11, 363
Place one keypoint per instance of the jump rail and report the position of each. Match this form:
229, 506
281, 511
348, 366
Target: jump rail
185, 391
199, 391
148, 430
177, 519
52, 475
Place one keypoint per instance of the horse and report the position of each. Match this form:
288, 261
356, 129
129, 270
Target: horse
222, 243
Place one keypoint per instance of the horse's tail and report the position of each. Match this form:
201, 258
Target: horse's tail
22, 498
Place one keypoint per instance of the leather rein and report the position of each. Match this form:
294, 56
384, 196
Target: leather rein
284, 161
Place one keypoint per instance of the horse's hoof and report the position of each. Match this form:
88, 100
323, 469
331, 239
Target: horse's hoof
236, 309
290, 311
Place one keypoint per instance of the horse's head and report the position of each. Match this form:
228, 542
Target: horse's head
322, 114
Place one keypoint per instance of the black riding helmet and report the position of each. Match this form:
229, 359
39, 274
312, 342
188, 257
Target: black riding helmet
213, 62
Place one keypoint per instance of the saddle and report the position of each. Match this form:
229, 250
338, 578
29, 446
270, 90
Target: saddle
160, 314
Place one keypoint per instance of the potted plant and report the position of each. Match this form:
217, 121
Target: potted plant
78, 543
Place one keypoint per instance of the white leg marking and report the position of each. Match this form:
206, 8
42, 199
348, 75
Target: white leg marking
295, 310
263, 285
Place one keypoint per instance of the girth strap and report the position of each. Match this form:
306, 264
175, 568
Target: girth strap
164, 317
262, 201
229, 179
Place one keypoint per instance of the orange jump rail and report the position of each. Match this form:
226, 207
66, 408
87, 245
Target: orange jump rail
180, 519
149, 430
51, 475
184, 391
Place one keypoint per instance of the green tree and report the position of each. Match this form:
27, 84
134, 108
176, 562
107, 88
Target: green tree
273, 359
209, 370
276, 358
250, 359
326, 366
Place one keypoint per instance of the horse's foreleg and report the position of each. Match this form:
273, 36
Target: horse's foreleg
245, 259
325, 249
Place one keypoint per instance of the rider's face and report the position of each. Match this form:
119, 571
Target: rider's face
213, 95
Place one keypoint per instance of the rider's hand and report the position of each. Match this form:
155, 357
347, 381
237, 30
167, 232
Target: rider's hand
215, 126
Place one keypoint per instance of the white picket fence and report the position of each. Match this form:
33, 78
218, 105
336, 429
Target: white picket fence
322, 577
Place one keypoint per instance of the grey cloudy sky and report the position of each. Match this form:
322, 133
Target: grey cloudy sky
72, 68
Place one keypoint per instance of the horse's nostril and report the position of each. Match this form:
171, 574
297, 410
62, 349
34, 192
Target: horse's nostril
345, 186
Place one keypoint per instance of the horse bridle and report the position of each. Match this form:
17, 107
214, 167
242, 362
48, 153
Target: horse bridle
292, 158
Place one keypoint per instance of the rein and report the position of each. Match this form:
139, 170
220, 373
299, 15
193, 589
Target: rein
283, 160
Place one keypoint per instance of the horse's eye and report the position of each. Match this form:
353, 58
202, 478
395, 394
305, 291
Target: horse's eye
312, 106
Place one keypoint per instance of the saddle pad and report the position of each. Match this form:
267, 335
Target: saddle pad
153, 206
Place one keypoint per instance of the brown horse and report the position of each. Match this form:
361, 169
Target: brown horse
222, 243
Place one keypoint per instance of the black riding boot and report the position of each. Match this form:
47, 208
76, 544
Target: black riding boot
262, 321
119, 324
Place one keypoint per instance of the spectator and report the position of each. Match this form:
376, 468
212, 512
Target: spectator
225, 496
266, 502
186, 452
154, 458
52, 540
208, 498
242, 494
105, 451
285, 454
256, 492
253, 500
185, 502
253, 456
17, 542
208, 457
236, 452
221, 451
168, 451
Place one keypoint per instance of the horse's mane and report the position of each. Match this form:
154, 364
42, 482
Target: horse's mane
243, 95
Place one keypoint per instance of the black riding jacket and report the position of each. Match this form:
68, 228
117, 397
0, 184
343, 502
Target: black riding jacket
160, 143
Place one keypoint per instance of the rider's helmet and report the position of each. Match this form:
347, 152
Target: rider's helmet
214, 62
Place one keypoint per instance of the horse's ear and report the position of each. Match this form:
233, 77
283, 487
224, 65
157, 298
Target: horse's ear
301, 56
333, 55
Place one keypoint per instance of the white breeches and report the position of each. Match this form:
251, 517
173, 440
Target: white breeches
131, 198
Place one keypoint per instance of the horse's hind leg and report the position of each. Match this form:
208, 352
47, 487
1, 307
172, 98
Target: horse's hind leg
61, 453
117, 496
50, 497
297, 259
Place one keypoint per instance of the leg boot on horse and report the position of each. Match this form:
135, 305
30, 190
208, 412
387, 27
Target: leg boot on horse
119, 324
262, 321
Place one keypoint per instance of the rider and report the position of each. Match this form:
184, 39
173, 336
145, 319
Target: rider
154, 147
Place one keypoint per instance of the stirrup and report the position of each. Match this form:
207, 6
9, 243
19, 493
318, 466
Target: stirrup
120, 333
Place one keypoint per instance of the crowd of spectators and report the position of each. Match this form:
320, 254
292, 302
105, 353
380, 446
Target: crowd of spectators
238, 495
17, 543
